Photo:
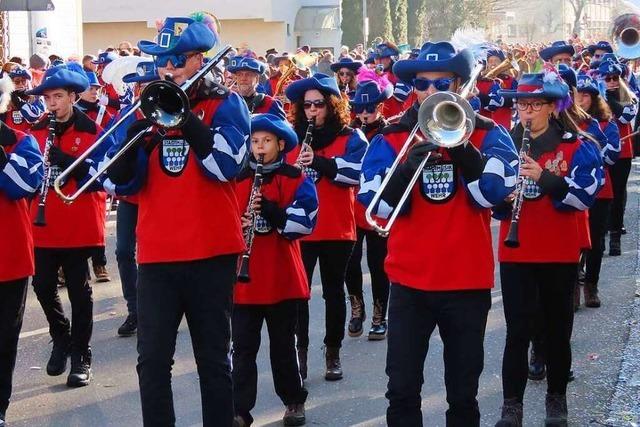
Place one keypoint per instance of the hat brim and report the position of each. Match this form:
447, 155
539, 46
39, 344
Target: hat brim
460, 65
510, 93
196, 37
552, 51
384, 95
296, 90
277, 126
592, 49
353, 66
588, 90
234, 70
62, 79
137, 78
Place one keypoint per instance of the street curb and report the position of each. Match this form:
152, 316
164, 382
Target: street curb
624, 406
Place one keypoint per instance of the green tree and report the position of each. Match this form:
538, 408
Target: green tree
399, 20
351, 24
416, 22
379, 13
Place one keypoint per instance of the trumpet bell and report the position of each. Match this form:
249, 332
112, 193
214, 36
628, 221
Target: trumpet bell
165, 104
626, 34
446, 118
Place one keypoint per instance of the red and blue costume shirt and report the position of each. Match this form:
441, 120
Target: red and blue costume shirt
624, 115
493, 105
262, 103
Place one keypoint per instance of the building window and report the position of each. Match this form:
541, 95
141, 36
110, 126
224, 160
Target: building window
316, 18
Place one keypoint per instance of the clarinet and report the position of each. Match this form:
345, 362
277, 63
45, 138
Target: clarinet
44, 187
249, 233
512, 241
306, 143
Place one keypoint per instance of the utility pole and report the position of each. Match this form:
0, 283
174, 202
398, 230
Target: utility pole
365, 24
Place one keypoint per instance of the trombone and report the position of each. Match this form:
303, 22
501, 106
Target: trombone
171, 94
447, 120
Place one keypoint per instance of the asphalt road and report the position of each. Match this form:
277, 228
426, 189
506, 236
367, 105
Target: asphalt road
112, 398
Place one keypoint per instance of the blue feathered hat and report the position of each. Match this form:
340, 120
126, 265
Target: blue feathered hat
610, 68
180, 35
556, 48
145, 72
369, 92
601, 45
277, 126
92, 78
246, 63
61, 77
568, 74
318, 81
587, 84
440, 56
385, 50
346, 62
18, 72
496, 52
104, 58
538, 85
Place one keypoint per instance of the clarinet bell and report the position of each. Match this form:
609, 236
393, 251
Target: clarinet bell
39, 221
243, 273
512, 241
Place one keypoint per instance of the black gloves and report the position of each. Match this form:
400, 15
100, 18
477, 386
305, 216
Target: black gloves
198, 135
469, 159
275, 215
3, 158
613, 99
59, 158
326, 167
553, 185
416, 155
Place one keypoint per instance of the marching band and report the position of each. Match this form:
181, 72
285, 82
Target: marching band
407, 158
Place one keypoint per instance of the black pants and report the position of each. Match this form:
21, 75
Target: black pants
99, 257
376, 253
527, 288
202, 291
45, 284
461, 317
619, 177
333, 256
246, 327
13, 295
598, 215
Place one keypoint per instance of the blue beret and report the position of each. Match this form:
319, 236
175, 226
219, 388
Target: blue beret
325, 84
239, 63
61, 77
277, 126
587, 84
20, 72
92, 78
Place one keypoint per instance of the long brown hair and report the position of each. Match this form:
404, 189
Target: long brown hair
599, 108
337, 111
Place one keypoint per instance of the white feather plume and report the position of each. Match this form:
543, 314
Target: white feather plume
473, 39
118, 68
6, 87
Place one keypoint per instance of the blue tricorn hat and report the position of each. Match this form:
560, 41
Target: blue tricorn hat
104, 58
368, 93
496, 52
601, 45
92, 78
538, 85
61, 77
18, 72
295, 91
555, 49
441, 56
385, 50
610, 68
277, 126
568, 74
587, 84
180, 35
346, 62
145, 72
240, 63
74, 66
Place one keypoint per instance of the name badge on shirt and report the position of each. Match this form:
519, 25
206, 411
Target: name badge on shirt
262, 225
531, 189
439, 182
16, 117
173, 156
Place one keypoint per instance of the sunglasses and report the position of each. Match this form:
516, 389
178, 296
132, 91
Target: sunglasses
369, 108
318, 103
345, 73
422, 84
564, 61
535, 106
178, 61
611, 79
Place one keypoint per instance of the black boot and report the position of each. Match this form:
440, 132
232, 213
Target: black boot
614, 244
334, 368
80, 374
357, 316
591, 299
378, 329
129, 327
302, 362
537, 371
511, 414
57, 364
556, 405
294, 415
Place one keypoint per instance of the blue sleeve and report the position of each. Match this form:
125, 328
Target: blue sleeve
476, 104
302, 213
495, 100
266, 88
629, 113
276, 109
31, 112
401, 91
95, 160
611, 150
350, 163
584, 179
127, 98
24, 171
231, 129
499, 175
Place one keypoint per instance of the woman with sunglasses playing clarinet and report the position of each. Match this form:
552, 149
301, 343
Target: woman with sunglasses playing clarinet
346, 71
560, 175
335, 168
624, 106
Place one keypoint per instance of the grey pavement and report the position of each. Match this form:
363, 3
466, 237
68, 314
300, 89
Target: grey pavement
605, 359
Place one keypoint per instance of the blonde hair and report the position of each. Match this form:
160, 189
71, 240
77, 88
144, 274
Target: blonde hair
626, 95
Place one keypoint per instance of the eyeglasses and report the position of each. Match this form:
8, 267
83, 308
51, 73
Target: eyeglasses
178, 61
345, 73
535, 106
369, 108
318, 103
611, 79
422, 84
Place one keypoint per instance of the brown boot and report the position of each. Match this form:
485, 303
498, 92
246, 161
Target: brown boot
294, 415
576, 297
334, 368
591, 295
101, 273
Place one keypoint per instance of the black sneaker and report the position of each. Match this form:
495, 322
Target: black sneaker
615, 248
80, 374
294, 415
357, 316
129, 327
57, 364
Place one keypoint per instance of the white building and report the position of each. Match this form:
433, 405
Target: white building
261, 24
